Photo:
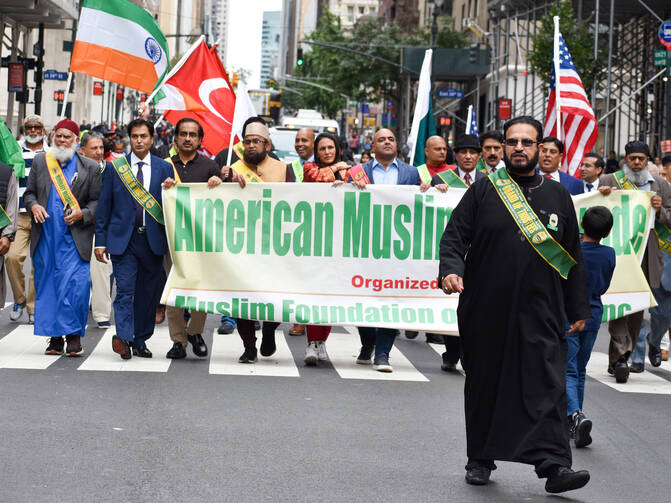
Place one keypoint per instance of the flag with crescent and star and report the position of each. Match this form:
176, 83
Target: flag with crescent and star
199, 89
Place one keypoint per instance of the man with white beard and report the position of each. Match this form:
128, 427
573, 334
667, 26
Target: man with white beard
34, 142
624, 332
62, 197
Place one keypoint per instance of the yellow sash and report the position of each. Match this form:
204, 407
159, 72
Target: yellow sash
174, 170
242, 169
61, 184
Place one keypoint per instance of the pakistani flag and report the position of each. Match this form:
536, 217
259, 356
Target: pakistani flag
423, 125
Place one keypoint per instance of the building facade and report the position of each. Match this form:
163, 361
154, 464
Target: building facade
270, 45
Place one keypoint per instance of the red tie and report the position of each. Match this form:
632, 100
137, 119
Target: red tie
547, 175
467, 179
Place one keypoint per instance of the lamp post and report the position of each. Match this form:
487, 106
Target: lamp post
437, 4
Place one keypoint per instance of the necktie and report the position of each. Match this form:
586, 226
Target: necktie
546, 175
589, 187
493, 169
467, 179
139, 210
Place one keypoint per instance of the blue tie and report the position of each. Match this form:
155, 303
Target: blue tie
589, 187
139, 210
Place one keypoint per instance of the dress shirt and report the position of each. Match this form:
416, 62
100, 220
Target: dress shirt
595, 185
388, 176
309, 159
146, 173
554, 175
462, 174
492, 169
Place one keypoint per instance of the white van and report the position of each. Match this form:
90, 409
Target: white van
310, 119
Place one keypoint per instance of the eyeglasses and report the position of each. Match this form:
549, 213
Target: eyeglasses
526, 143
32, 128
253, 141
187, 134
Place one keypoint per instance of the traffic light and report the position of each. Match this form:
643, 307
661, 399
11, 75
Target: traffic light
473, 54
236, 79
271, 84
299, 57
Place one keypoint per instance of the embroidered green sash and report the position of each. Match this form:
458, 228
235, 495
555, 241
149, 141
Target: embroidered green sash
139, 193
529, 223
452, 179
424, 174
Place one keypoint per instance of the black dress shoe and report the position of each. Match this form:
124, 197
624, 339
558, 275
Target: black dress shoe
198, 345
447, 365
176, 352
142, 352
621, 371
268, 346
655, 356
636, 368
564, 479
121, 347
478, 476
435, 339
411, 334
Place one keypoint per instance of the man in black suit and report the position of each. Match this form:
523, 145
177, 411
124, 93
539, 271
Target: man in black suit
467, 150
62, 198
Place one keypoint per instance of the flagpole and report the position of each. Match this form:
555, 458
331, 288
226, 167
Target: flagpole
469, 119
555, 62
65, 97
175, 68
242, 88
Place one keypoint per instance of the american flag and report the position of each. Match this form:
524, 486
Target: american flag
471, 122
579, 129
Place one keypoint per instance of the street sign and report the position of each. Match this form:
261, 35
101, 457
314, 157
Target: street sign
665, 34
55, 75
505, 108
15, 83
29, 63
450, 93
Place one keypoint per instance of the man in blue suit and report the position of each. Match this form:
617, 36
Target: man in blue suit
133, 236
384, 169
549, 160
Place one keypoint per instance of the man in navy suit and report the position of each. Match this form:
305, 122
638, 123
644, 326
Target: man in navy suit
134, 238
549, 161
385, 169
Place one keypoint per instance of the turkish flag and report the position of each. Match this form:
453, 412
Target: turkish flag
200, 90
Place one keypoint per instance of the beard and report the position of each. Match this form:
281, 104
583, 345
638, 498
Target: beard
636, 177
62, 154
521, 169
254, 158
33, 139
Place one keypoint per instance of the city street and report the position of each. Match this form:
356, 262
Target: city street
96, 429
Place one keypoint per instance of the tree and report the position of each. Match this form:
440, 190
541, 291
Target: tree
579, 41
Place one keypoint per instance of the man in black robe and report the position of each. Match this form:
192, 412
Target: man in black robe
511, 316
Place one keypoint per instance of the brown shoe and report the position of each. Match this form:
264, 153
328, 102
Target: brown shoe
665, 355
297, 330
160, 314
121, 347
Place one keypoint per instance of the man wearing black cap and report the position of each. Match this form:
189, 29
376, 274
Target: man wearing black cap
624, 332
467, 153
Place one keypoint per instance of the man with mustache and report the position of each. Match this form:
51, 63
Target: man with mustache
62, 197
624, 332
492, 151
511, 250
34, 142
551, 151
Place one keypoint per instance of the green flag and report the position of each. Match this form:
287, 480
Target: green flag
423, 125
10, 151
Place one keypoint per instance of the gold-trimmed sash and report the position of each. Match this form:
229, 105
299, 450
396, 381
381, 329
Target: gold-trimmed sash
61, 184
452, 179
242, 169
359, 174
137, 190
174, 170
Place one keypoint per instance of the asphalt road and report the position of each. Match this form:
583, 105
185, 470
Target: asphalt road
184, 433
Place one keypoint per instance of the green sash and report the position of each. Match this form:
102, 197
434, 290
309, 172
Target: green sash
480, 166
4, 218
662, 231
529, 223
424, 174
298, 169
139, 193
452, 179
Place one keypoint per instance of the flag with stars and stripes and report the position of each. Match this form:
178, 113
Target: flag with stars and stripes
578, 128
471, 122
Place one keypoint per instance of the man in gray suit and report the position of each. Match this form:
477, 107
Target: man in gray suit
624, 332
62, 198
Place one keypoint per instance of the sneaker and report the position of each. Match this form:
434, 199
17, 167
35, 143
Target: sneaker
570, 422
381, 364
311, 354
17, 311
104, 324
225, 328
74, 345
321, 351
636, 368
365, 355
249, 356
31, 319
582, 428
55, 346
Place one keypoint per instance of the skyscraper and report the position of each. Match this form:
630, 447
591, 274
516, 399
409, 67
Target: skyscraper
219, 26
270, 45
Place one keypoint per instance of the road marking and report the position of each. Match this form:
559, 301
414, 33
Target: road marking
226, 349
645, 382
344, 348
440, 349
20, 349
7, 304
103, 358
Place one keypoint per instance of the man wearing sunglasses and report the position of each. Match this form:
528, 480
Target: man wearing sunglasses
511, 250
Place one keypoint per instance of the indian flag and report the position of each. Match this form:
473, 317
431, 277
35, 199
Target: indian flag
423, 125
120, 42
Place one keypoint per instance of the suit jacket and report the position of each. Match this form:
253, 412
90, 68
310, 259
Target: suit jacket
115, 222
86, 189
572, 184
407, 175
652, 263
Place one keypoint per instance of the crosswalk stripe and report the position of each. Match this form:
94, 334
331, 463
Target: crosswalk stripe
344, 348
645, 382
103, 358
226, 349
20, 349
440, 349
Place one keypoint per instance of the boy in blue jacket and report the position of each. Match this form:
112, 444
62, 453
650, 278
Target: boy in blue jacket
599, 265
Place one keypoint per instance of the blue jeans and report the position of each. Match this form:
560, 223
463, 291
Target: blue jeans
579, 350
660, 320
381, 338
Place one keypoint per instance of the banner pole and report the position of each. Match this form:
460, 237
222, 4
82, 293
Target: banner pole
555, 61
65, 98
